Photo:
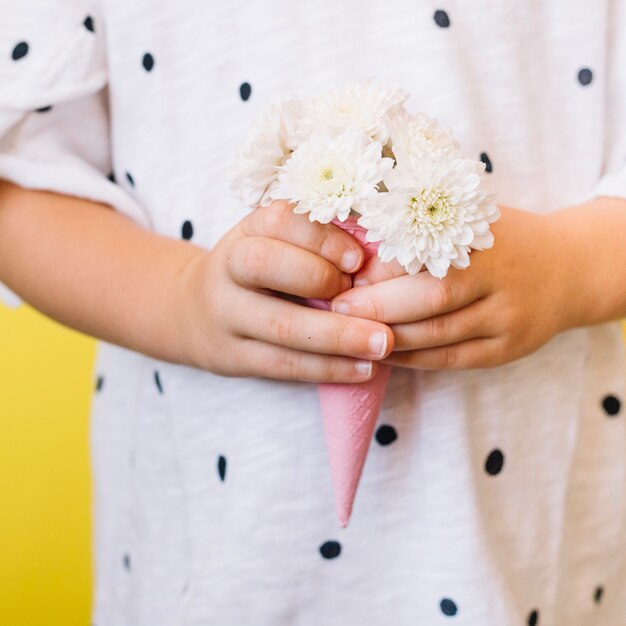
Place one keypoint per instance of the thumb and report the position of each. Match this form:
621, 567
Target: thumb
375, 271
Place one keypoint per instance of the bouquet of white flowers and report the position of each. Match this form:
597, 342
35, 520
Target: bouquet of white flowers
398, 183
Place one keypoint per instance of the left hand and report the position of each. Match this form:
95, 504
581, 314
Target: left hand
510, 301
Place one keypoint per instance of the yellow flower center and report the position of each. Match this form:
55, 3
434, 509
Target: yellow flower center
327, 173
431, 207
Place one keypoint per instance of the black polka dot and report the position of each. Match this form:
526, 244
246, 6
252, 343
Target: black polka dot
330, 549
187, 230
44, 109
99, 383
20, 51
585, 76
448, 607
221, 467
494, 462
533, 618
386, 434
147, 62
597, 595
130, 179
245, 90
611, 405
441, 19
484, 157
157, 381
88, 24
126, 561
111, 177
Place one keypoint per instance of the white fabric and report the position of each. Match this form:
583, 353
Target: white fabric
542, 541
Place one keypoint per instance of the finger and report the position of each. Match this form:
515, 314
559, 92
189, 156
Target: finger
306, 329
375, 271
409, 298
270, 361
278, 221
474, 353
256, 262
464, 323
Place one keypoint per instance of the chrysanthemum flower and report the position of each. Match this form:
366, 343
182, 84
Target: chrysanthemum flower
433, 213
364, 103
255, 172
328, 176
411, 135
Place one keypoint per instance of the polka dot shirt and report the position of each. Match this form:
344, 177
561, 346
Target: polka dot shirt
490, 497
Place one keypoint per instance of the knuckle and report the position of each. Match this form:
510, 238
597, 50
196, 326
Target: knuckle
513, 319
440, 295
468, 325
437, 328
388, 273
274, 218
277, 363
490, 361
232, 368
486, 357
342, 338
393, 270
335, 369
251, 258
376, 309
507, 348
323, 276
448, 359
469, 358
508, 323
281, 329
290, 366
228, 366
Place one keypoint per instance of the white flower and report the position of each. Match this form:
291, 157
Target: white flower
255, 172
328, 176
364, 103
410, 135
433, 213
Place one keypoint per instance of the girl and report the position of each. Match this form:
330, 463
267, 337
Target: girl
494, 492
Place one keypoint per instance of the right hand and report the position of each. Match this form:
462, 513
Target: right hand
232, 322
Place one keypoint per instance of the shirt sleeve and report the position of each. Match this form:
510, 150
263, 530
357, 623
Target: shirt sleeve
613, 179
54, 119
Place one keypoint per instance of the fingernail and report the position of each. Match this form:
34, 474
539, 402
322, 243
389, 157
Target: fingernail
350, 260
361, 282
363, 367
340, 307
378, 343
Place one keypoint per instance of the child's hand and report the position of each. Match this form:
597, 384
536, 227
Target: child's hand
231, 322
509, 302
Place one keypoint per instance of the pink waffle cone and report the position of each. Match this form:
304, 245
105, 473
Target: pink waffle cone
350, 410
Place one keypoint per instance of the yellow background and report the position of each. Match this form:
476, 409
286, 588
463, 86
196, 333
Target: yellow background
46, 383
45, 480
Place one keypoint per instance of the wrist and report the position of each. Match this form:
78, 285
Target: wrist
580, 265
192, 300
